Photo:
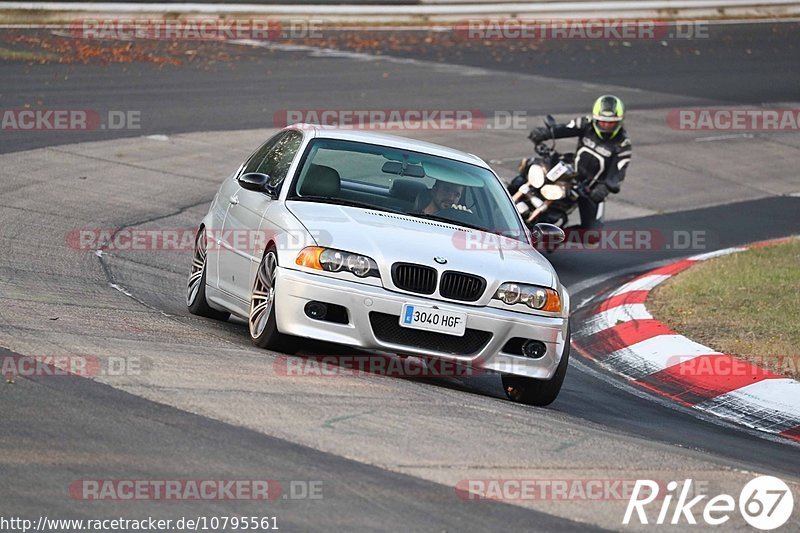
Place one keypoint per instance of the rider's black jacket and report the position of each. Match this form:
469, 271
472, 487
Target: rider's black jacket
597, 160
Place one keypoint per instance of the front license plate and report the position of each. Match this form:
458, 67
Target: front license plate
431, 319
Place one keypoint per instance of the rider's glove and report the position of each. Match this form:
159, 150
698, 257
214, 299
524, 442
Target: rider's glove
599, 193
538, 135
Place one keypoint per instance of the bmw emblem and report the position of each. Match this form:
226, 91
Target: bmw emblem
440, 260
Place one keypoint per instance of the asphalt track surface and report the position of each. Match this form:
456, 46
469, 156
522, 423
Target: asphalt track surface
58, 430
737, 64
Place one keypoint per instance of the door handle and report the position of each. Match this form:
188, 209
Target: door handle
233, 199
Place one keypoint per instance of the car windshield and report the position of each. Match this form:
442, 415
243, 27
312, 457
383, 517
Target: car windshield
402, 181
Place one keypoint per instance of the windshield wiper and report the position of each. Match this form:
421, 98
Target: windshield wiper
343, 201
448, 221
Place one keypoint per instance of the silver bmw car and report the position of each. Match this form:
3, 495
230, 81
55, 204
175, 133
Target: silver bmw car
383, 243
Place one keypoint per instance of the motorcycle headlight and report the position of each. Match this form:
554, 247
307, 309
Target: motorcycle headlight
536, 175
553, 192
332, 260
535, 297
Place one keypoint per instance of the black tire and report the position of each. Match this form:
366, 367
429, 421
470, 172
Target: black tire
261, 321
538, 392
196, 286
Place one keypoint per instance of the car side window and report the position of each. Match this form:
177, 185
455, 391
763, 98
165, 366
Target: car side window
259, 155
279, 158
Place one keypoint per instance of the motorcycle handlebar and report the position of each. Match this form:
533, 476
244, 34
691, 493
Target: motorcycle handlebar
542, 149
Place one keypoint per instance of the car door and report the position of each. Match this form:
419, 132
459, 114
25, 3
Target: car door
220, 207
229, 196
243, 227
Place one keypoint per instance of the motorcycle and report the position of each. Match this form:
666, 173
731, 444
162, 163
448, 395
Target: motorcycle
547, 188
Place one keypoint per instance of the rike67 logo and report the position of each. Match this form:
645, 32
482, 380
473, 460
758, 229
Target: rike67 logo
765, 503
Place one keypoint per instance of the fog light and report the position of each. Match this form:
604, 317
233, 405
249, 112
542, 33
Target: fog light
534, 349
316, 310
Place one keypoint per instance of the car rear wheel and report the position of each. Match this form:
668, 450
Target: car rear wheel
262, 323
196, 286
538, 392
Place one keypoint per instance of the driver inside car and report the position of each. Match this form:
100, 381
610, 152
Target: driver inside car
445, 195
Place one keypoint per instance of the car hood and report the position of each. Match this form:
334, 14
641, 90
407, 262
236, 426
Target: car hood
388, 238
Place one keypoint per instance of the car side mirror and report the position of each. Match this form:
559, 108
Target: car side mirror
273, 190
550, 121
258, 182
547, 234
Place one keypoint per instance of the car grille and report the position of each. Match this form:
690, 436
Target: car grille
387, 328
414, 278
459, 286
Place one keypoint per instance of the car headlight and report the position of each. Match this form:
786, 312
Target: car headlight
538, 298
332, 260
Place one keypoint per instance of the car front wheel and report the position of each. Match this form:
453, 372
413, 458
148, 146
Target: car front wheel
538, 392
262, 323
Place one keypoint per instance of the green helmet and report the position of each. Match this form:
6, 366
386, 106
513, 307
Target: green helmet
607, 115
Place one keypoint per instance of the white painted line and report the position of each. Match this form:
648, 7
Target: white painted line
437, 28
644, 283
611, 317
597, 280
771, 393
725, 137
717, 253
668, 403
619, 8
333, 26
770, 404
655, 354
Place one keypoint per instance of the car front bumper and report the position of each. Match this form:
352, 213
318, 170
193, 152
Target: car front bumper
294, 289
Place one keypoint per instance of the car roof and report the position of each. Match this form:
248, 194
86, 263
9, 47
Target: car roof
394, 141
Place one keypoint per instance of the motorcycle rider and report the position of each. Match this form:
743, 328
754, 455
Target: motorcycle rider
602, 155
